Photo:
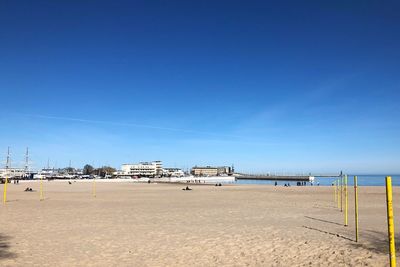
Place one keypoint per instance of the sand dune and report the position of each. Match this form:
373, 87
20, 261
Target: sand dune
161, 225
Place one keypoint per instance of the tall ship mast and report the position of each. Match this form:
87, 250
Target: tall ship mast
5, 172
8, 162
26, 167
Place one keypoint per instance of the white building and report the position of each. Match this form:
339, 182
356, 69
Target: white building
147, 169
45, 174
12, 172
173, 172
211, 171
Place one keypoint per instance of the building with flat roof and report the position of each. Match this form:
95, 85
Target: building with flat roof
12, 172
145, 169
211, 171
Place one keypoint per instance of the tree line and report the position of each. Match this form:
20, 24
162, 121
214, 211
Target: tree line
102, 171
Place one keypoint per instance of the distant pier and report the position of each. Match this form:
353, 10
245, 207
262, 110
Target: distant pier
297, 178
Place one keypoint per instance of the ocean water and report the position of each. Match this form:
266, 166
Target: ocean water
362, 180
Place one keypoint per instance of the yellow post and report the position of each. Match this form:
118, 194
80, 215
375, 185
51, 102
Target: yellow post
341, 194
41, 188
5, 191
94, 187
346, 202
389, 204
356, 206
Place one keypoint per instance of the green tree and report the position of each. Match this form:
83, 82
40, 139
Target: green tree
88, 169
109, 170
105, 170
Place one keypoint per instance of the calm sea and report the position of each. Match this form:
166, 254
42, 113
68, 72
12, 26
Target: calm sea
365, 180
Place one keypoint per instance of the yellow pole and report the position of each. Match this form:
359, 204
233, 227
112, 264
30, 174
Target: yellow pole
5, 191
389, 204
341, 194
41, 188
356, 206
346, 203
94, 187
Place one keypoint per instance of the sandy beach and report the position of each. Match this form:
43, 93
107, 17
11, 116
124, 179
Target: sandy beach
161, 225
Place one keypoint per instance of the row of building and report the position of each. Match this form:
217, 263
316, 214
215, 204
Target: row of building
155, 169
14, 172
141, 169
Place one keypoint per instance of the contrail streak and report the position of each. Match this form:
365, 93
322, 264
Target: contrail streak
127, 124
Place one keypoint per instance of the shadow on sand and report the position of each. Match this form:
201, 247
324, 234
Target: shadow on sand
321, 220
329, 233
4, 248
376, 241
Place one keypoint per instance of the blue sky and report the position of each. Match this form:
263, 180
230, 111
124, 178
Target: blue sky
294, 86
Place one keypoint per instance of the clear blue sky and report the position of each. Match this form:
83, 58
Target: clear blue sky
293, 86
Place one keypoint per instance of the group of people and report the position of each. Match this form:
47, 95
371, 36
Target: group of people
188, 188
196, 181
302, 183
285, 185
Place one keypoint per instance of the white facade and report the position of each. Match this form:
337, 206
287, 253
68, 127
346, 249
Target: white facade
211, 171
153, 168
173, 172
12, 172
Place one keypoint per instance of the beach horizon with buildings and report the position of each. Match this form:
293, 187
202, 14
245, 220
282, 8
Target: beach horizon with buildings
199, 133
149, 170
